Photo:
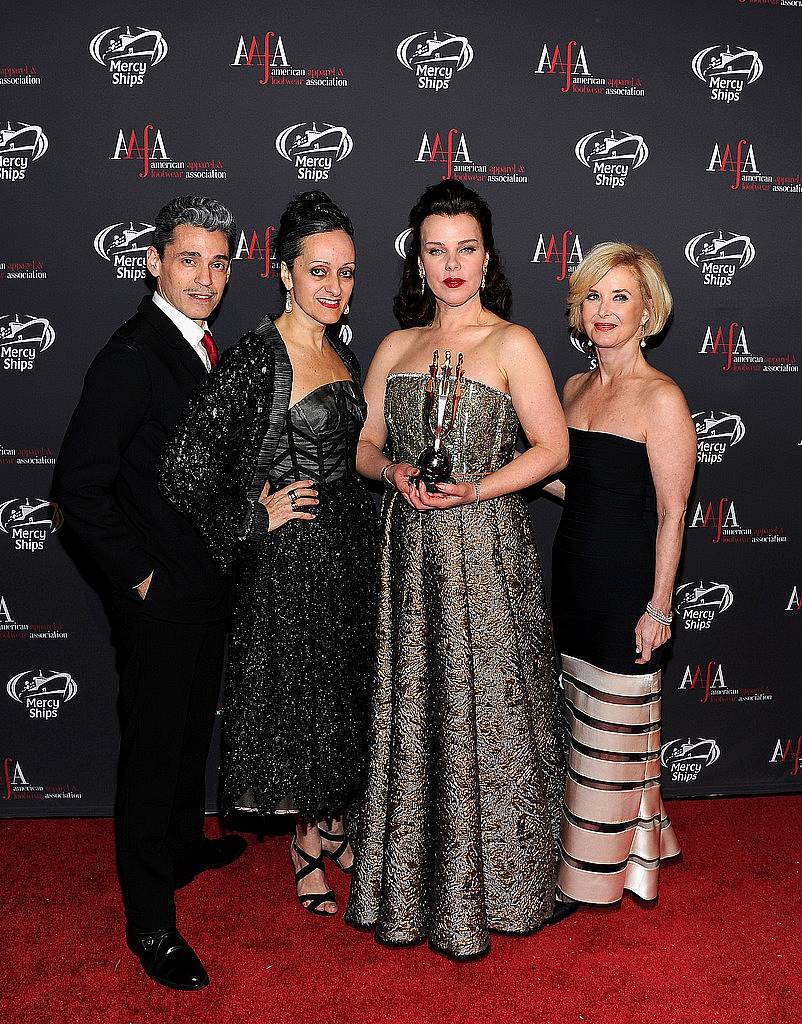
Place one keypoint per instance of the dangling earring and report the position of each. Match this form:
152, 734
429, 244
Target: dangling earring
288, 301
643, 335
482, 285
422, 273
347, 309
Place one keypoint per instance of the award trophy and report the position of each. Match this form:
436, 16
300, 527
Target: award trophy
440, 404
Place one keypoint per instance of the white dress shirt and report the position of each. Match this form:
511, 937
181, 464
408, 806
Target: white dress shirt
190, 331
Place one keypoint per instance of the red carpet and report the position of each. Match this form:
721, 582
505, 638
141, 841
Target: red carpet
721, 947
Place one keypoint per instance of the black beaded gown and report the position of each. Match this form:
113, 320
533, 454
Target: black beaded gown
302, 659
457, 834
615, 829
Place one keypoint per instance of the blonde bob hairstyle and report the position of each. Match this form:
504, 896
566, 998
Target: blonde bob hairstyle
644, 265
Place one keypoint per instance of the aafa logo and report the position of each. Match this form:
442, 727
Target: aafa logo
453, 151
563, 249
434, 59
271, 55
687, 758
20, 143
718, 256
29, 522
573, 65
125, 247
794, 601
611, 155
716, 432
738, 160
314, 147
128, 52
721, 519
707, 680
145, 148
699, 603
15, 785
788, 753
726, 70
42, 693
22, 338
729, 342
256, 246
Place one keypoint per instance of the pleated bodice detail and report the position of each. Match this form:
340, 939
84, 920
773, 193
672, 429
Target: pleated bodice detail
319, 438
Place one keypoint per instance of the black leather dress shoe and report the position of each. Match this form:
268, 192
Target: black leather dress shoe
167, 957
212, 853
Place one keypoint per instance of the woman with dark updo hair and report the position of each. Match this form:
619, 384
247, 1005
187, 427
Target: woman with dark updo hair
457, 835
264, 464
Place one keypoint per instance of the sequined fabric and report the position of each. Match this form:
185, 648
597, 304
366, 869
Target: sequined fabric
302, 661
302, 648
458, 832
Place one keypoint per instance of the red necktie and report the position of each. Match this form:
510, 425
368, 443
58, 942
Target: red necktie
211, 349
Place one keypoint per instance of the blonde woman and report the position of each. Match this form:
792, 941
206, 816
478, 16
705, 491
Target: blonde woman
633, 453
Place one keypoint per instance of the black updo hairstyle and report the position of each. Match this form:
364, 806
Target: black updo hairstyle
415, 305
309, 213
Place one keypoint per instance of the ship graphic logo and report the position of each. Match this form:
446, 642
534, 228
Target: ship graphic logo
23, 514
402, 242
613, 146
118, 239
715, 597
443, 50
20, 139
19, 329
128, 43
314, 138
689, 755
29, 686
585, 346
719, 426
725, 247
728, 61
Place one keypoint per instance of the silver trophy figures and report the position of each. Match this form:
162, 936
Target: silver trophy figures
440, 405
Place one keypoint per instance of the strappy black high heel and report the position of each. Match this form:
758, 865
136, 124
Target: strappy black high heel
311, 901
336, 855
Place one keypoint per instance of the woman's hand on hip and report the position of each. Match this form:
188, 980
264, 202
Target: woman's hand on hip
291, 502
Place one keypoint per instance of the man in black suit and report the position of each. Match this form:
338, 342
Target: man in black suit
169, 600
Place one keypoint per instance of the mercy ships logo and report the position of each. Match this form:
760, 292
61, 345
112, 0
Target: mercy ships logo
434, 58
611, 156
128, 52
22, 338
20, 145
725, 70
314, 147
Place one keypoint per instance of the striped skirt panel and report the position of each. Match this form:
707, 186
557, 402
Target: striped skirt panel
615, 829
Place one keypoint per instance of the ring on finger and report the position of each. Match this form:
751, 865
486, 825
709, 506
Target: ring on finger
293, 496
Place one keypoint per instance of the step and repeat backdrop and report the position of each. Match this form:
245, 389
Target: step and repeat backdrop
672, 125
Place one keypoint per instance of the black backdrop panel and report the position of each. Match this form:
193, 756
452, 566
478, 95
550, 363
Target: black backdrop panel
579, 123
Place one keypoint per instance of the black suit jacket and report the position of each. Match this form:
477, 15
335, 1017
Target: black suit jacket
134, 393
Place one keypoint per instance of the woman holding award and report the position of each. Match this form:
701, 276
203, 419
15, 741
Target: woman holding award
457, 834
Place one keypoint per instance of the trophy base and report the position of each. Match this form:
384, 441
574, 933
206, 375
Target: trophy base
435, 468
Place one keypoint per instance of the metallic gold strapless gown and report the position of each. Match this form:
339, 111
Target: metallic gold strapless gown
457, 835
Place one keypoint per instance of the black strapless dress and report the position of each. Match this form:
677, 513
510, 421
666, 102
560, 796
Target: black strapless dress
615, 829
302, 651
